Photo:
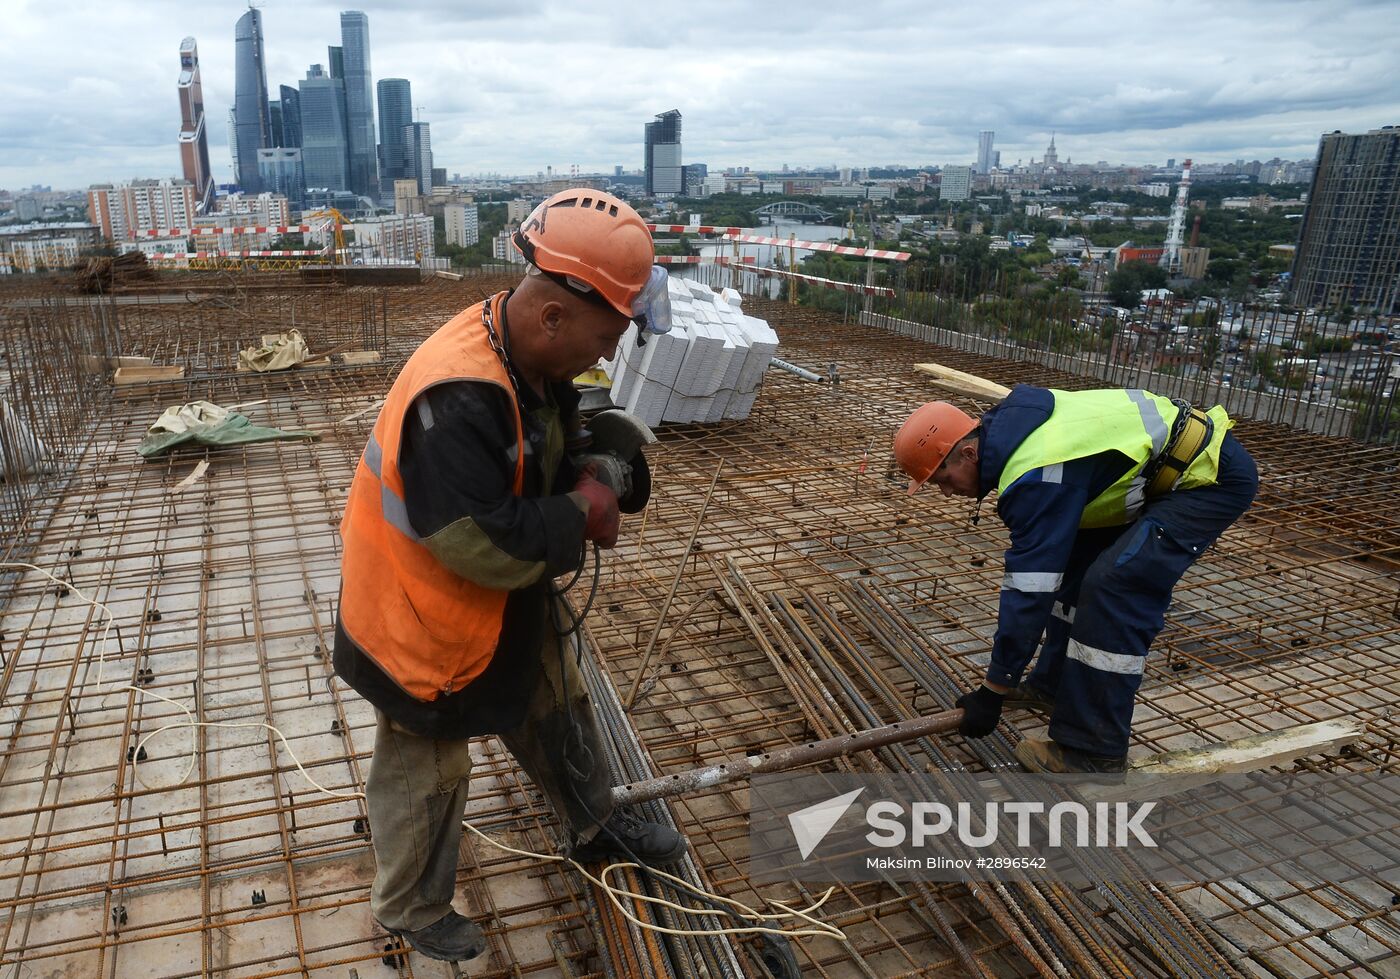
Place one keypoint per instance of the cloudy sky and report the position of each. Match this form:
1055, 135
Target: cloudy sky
87, 90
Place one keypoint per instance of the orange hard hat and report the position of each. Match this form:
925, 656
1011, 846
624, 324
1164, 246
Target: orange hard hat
592, 243
926, 438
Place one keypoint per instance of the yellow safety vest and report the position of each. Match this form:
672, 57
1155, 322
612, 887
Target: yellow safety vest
1133, 422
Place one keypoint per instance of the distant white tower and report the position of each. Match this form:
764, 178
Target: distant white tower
1176, 228
984, 150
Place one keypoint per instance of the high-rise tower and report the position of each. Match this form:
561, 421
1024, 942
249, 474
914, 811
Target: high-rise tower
324, 146
395, 115
291, 116
194, 141
418, 152
984, 150
359, 102
251, 117
1349, 239
664, 173
1051, 157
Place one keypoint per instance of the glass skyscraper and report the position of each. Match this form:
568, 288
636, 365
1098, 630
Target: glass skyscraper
291, 116
359, 102
252, 122
419, 155
325, 151
664, 173
194, 142
395, 115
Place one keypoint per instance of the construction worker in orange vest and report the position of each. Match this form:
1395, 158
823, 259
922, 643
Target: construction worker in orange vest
464, 508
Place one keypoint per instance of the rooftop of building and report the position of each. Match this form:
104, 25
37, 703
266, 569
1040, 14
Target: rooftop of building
813, 590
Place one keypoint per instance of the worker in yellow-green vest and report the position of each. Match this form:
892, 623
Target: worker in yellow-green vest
1109, 497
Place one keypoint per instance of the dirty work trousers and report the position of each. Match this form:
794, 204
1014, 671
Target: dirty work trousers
1113, 600
416, 792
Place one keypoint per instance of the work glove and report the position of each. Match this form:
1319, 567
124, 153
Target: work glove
601, 525
981, 711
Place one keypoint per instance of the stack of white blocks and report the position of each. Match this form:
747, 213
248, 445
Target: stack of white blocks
708, 368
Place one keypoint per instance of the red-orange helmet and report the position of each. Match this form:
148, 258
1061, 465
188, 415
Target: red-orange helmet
592, 243
926, 438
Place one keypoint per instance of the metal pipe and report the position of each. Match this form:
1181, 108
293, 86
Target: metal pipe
784, 759
801, 372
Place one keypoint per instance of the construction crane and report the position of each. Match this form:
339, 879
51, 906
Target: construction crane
337, 222
1176, 228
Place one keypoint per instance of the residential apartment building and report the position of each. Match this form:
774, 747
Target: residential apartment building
266, 209
41, 254
956, 184
407, 198
395, 238
123, 211
1349, 242
460, 221
502, 250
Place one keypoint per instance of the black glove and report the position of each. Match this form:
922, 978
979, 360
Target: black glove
981, 711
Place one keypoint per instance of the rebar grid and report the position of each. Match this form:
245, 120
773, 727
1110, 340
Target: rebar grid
226, 593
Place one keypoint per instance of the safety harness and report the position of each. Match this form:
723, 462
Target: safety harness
1190, 434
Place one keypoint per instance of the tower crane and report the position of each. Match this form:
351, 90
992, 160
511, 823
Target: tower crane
337, 222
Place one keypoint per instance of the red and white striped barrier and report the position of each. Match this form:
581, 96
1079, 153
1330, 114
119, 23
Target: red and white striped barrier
855, 287
251, 229
820, 246
704, 260
696, 229
277, 253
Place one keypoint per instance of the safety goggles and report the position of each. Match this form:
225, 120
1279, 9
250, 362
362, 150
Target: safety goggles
651, 310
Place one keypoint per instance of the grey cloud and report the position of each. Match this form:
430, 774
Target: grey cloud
516, 86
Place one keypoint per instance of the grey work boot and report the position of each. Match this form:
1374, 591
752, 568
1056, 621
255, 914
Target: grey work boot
1031, 698
626, 836
452, 938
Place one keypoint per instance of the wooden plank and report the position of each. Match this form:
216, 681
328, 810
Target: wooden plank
94, 364
961, 382
1158, 776
147, 375
355, 358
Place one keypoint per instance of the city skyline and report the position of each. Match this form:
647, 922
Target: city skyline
845, 87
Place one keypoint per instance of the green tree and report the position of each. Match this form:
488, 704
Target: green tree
1126, 283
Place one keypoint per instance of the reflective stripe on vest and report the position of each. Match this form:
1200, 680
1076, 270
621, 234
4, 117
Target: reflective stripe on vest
395, 509
431, 631
1132, 422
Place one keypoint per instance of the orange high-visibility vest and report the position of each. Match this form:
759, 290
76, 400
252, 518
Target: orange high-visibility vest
432, 631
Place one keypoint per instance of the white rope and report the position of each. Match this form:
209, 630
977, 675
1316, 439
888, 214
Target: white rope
815, 928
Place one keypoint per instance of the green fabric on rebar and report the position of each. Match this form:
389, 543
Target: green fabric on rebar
232, 430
